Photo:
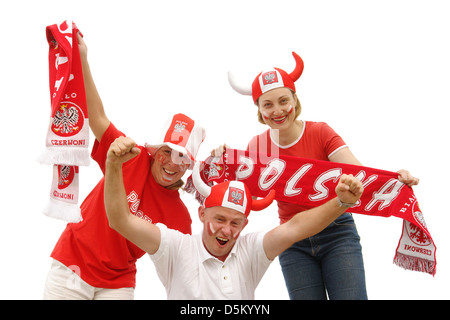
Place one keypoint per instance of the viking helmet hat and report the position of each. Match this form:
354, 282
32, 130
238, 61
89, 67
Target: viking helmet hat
230, 194
268, 80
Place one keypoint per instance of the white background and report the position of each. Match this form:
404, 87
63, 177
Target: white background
376, 71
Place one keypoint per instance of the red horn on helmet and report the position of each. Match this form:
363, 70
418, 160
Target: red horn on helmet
260, 204
299, 65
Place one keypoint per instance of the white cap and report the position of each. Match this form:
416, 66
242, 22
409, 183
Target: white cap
183, 135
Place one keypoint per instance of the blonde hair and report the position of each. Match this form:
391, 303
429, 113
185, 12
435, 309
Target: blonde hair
298, 108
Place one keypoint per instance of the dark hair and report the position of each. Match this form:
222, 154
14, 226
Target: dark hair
177, 185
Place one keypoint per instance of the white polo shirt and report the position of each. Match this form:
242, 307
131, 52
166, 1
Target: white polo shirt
188, 271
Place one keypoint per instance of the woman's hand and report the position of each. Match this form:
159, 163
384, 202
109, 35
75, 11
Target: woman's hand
405, 177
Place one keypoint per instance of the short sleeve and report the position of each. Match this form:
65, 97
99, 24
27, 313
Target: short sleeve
252, 246
164, 257
331, 141
100, 149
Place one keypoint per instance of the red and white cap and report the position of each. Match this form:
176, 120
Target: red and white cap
230, 194
268, 80
182, 134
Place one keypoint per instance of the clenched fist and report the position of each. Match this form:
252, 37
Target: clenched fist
349, 189
122, 150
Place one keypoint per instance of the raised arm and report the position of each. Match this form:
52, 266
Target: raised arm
98, 121
142, 233
308, 223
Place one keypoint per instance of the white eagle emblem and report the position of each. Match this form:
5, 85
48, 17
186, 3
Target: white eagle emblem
65, 120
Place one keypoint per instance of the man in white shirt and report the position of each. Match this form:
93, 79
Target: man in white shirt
218, 263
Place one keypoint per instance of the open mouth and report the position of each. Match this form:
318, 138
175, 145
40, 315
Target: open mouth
169, 172
168, 176
279, 120
221, 241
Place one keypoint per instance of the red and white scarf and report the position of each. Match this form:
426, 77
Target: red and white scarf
67, 142
312, 182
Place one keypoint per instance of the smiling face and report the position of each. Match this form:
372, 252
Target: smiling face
164, 170
221, 228
278, 108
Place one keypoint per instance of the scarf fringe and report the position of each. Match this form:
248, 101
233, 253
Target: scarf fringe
63, 211
65, 155
190, 188
415, 263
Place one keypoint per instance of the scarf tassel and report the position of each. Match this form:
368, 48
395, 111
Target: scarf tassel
415, 263
190, 188
64, 211
69, 156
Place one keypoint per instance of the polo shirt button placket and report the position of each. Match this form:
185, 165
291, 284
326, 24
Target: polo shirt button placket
226, 279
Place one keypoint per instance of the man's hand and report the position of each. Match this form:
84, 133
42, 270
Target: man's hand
122, 150
220, 150
349, 189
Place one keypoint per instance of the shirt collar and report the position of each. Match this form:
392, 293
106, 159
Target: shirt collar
205, 255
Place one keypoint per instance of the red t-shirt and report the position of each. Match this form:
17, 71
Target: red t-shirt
103, 258
317, 141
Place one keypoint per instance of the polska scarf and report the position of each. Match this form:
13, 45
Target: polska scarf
312, 182
67, 142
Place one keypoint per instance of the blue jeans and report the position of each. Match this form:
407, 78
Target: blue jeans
329, 262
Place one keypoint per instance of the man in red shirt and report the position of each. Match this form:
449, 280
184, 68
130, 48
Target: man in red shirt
91, 260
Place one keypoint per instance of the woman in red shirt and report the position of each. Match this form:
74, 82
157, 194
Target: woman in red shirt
329, 263
91, 260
